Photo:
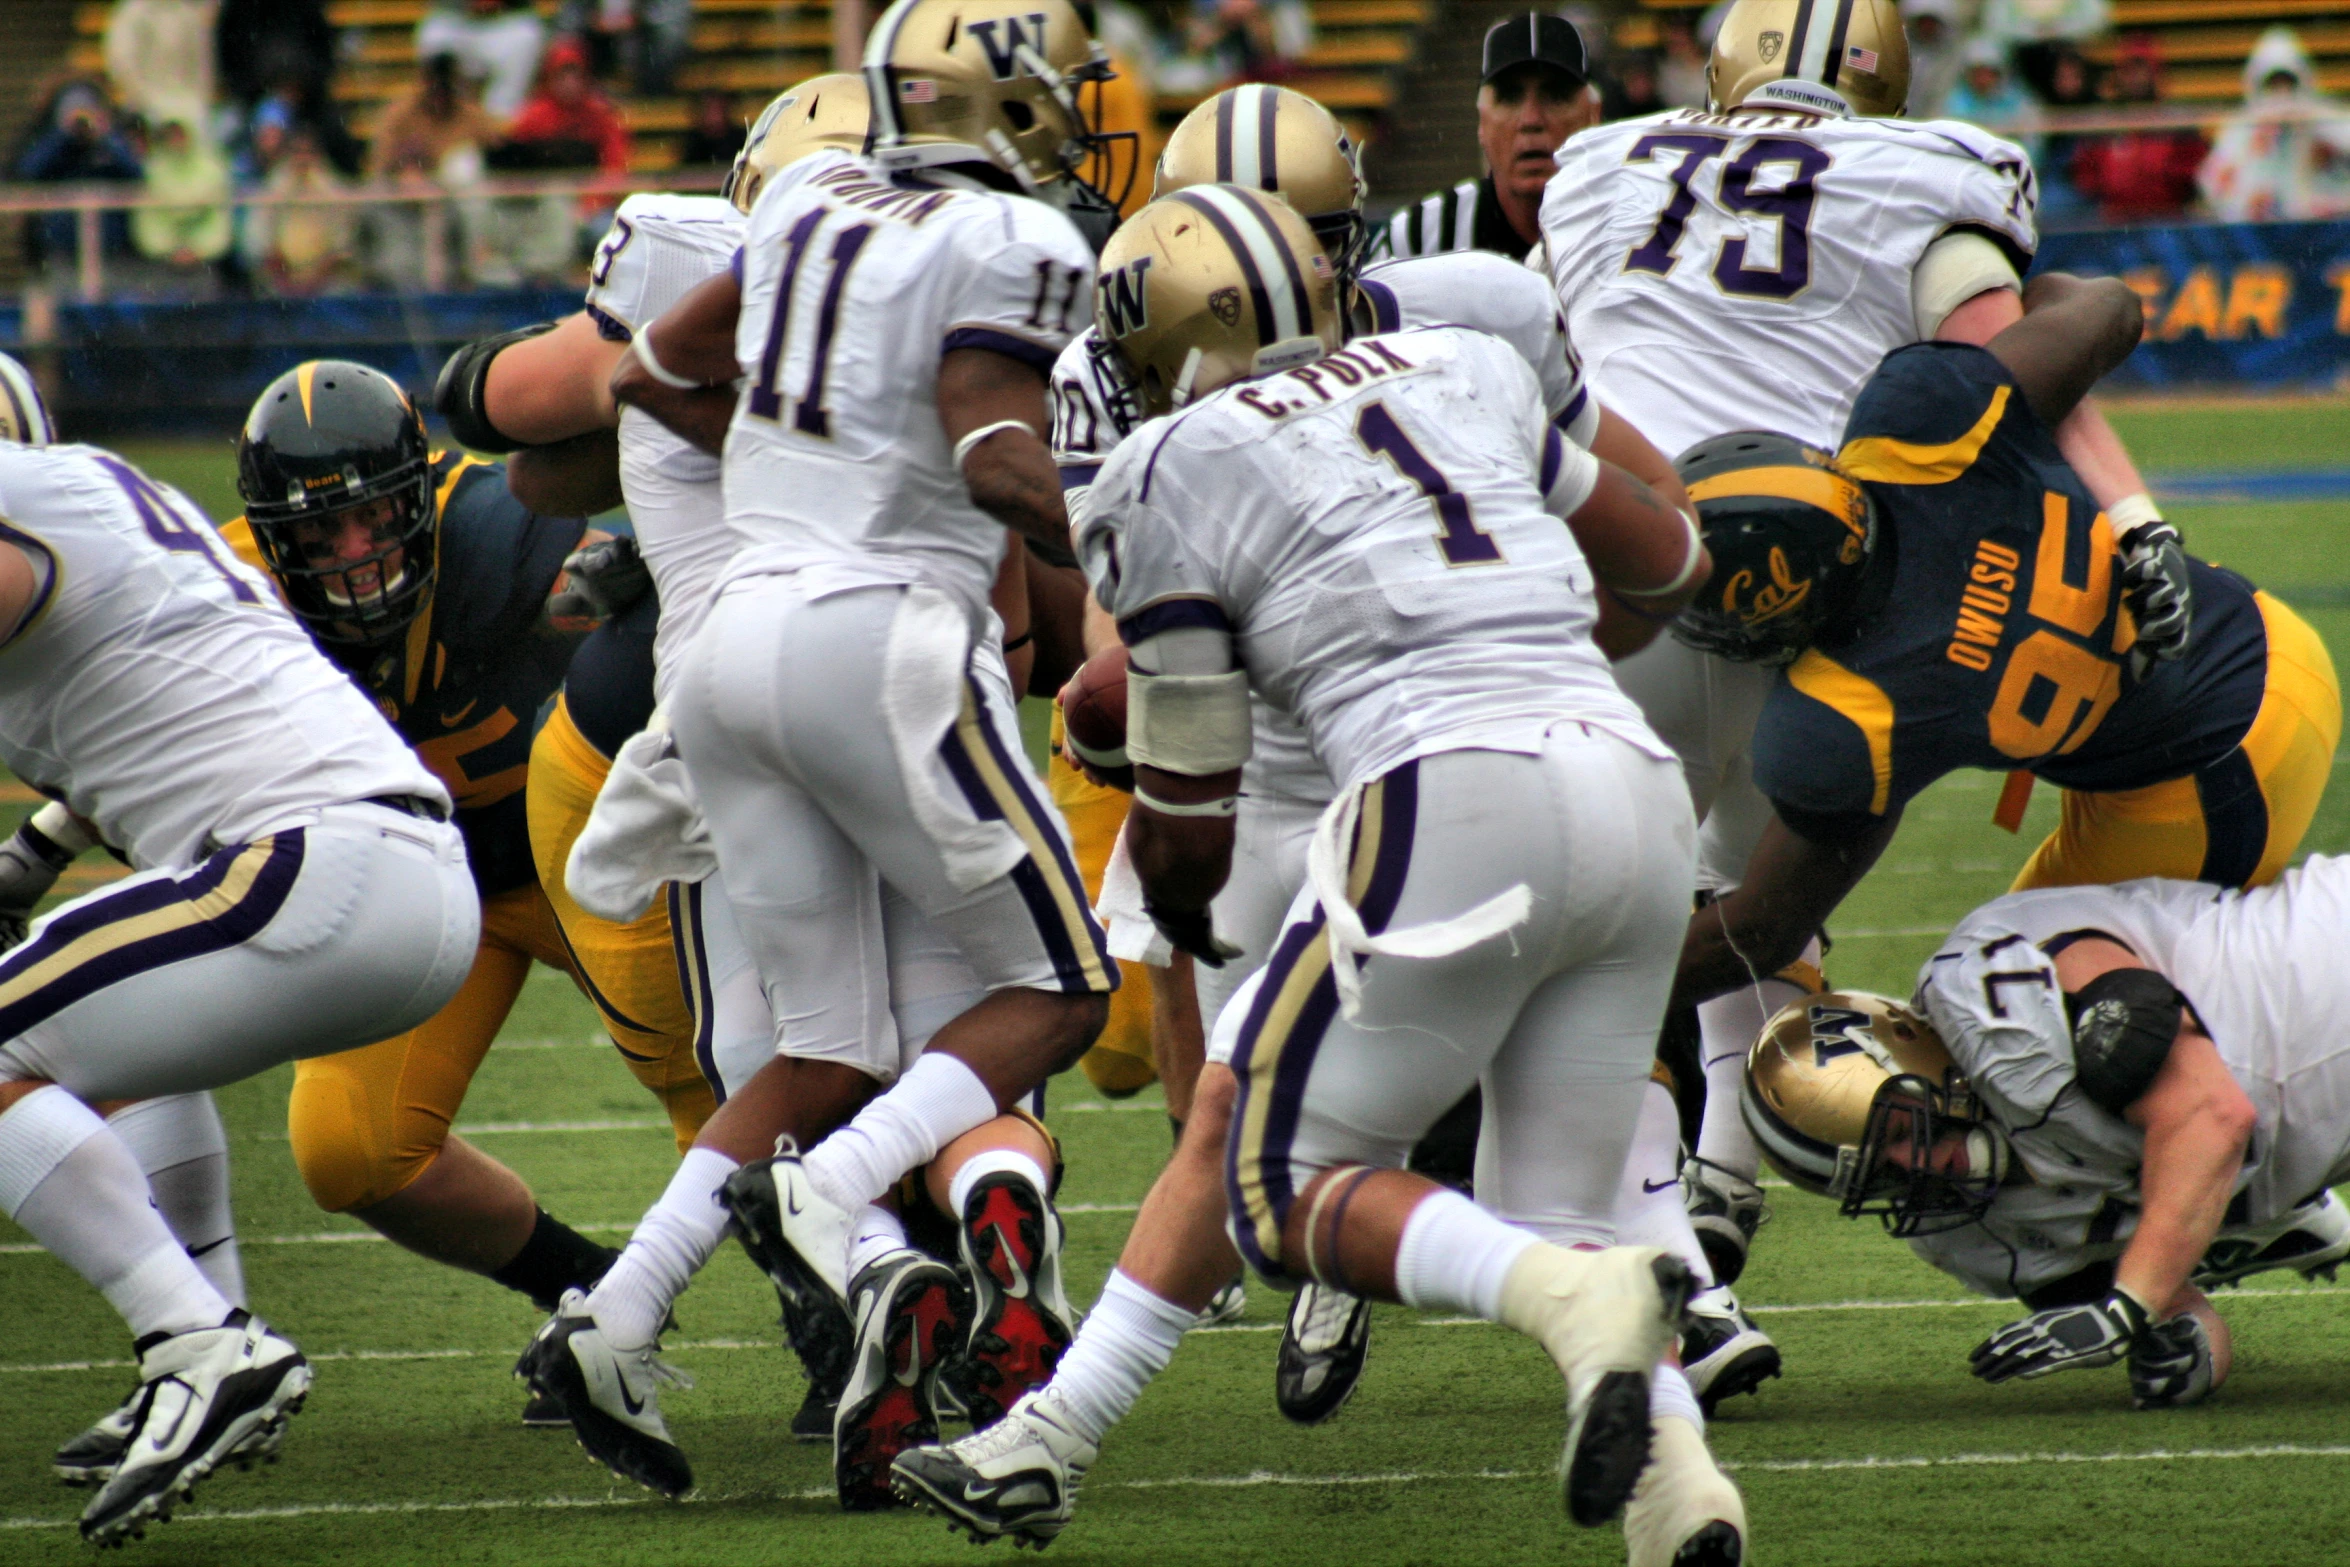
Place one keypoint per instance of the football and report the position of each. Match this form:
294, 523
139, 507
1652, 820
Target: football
2223, 1344
1093, 714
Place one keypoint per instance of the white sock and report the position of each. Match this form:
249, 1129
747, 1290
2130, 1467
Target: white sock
937, 1101
995, 1161
1669, 1393
1126, 1340
1728, 1026
78, 1191
180, 1143
1649, 1208
675, 1237
1454, 1256
877, 1233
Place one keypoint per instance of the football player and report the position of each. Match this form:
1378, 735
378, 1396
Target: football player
296, 888
1475, 732
1285, 143
1944, 593
2107, 1100
846, 718
1749, 263
430, 587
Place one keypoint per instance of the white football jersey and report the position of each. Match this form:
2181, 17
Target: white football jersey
1371, 528
1475, 289
659, 248
1747, 270
2263, 970
159, 688
855, 285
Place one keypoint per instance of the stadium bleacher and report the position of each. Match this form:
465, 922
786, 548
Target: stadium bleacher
756, 48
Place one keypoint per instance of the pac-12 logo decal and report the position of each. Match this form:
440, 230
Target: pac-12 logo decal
1006, 38
1768, 45
1224, 304
1121, 299
1834, 1031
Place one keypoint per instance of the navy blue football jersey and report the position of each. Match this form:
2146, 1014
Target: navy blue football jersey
2002, 644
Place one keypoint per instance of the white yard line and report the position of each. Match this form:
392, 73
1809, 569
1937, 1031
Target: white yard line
1256, 1479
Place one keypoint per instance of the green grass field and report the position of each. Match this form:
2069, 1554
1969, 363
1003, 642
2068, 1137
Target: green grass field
1877, 1448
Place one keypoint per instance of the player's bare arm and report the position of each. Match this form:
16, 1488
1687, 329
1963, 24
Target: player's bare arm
1646, 554
1002, 402
1009, 599
1056, 619
681, 368
2196, 1118
556, 385
1619, 441
2073, 331
577, 477
1187, 731
1792, 885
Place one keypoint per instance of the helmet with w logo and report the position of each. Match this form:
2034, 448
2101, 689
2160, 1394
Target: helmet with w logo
1853, 1096
823, 111
1815, 51
994, 82
1212, 285
1791, 536
1272, 139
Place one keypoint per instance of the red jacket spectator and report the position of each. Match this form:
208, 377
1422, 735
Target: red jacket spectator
2139, 175
567, 109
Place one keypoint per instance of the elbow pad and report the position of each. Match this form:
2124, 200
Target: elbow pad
464, 382
1954, 269
1189, 724
2124, 1023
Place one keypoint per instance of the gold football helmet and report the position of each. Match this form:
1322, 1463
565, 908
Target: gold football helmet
1272, 139
24, 418
824, 111
983, 81
1854, 1096
1212, 285
1854, 48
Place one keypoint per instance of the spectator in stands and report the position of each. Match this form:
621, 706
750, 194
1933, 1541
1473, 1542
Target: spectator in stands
651, 38
716, 134
1680, 66
79, 145
303, 247
1631, 89
1934, 48
2139, 176
184, 168
435, 121
498, 41
2071, 85
568, 123
2286, 153
1988, 94
1536, 93
1228, 41
159, 53
261, 45
2038, 32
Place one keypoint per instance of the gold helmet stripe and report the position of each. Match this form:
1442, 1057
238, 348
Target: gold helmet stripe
1831, 492
1245, 137
1276, 288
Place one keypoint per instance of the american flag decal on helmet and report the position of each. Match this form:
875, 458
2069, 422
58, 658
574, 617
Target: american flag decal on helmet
1861, 59
922, 89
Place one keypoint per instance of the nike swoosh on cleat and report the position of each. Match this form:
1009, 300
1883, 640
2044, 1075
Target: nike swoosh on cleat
1653, 1187
634, 1406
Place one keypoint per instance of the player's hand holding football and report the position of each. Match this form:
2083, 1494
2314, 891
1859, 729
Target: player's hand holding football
2155, 586
2065, 1338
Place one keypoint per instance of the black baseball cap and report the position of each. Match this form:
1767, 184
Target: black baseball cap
1536, 37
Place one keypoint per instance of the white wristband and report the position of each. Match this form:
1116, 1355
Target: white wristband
1688, 565
2131, 513
963, 447
62, 828
1226, 806
642, 347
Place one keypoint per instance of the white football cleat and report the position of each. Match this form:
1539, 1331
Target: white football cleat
2313, 1240
89, 1459
910, 1314
1725, 1209
612, 1396
1606, 1318
1228, 1304
204, 1397
1685, 1513
1018, 1477
800, 1240
1324, 1343
1722, 1350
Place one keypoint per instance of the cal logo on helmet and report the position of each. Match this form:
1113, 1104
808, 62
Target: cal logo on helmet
1121, 299
1014, 45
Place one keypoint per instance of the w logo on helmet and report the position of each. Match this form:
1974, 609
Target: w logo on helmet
1120, 299
1007, 38
1837, 1031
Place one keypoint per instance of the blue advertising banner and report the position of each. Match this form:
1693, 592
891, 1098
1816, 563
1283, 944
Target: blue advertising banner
2261, 304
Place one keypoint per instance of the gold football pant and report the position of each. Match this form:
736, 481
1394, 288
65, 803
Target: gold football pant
1120, 1061
2235, 823
366, 1122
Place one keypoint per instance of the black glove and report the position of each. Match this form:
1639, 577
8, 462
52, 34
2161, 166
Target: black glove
2170, 1366
1193, 933
2068, 1338
600, 580
2155, 586
30, 864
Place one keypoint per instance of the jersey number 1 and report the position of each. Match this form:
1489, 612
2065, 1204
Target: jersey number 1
766, 401
1461, 540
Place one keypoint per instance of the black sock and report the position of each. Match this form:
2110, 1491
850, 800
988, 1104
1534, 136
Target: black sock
555, 1258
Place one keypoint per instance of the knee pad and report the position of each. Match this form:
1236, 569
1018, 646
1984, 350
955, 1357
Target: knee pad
346, 1160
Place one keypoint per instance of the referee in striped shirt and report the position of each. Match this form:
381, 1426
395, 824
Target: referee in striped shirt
1536, 93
